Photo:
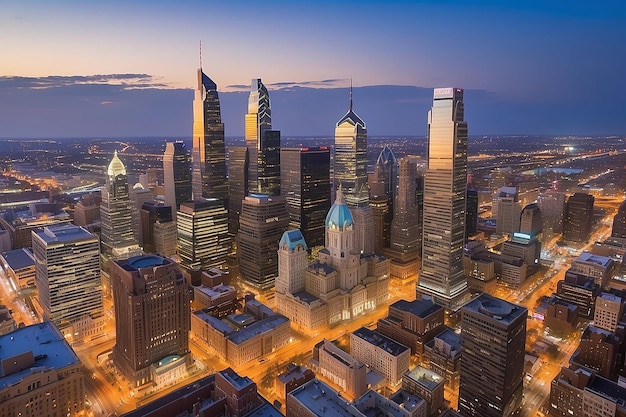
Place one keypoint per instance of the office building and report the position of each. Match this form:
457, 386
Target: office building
412, 323
294, 377
87, 211
138, 196
507, 211
203, 240
67, 266
598, 351
619, 222
209, 148
152, 320
426, 384
610, 308
441, 275
340, 285
471, 213
566, 391
382, 354
305, 184
493, 337
116, 237
578, 218
263, 143
580, 290
531, 221
552, 207
158, 228
263, 221
383, 184
20, 224
443, 356
238, 170
19, 266
342, 370
40, 374
600, 268
177, 175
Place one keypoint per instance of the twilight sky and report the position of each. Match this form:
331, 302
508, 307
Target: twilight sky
121, 68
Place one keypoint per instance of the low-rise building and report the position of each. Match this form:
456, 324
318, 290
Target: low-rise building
426, 384
342, 370
610, 308
206, 297
39, 371
597, 351
566, 392
292, 378
596, 266
443, 356
384, 355
580, 290
19, 265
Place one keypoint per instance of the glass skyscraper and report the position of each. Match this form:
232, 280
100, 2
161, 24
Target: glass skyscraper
209, 151
238, 170
177, 175
351, 158
263, 143
445, 186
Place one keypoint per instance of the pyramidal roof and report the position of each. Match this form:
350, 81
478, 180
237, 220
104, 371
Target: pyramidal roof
116, 167
351, 117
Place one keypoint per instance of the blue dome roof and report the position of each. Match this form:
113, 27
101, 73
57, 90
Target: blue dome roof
292, 238
339, 215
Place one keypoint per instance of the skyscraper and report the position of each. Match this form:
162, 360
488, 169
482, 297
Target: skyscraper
493, 337
117, 238
351, 157
209, 149
238, 170
152, 320
578, 217
263, 221
405, 226
531, 221
158, 229
203, 240
177, 175
139, 195
471, 213
263, 143
67, 268
305, 184
445, 184
383, 184
619, 222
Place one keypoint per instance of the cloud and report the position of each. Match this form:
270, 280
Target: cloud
125, 81
289, 85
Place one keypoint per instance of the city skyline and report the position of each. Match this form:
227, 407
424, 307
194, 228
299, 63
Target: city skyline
527, 68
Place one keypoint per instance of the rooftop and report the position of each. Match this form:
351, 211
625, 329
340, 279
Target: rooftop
292, 238
49, 349
495, 308
65, 233
257, 328
608, 389
425, 377
420, 308
589, 257
19, 258
321, 400
381, 341
235, 379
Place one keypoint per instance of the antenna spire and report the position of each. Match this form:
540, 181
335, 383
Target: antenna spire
200, 54
350, 94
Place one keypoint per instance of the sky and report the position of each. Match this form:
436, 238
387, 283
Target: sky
127, 68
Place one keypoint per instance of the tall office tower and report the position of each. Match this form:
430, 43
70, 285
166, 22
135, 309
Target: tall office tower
67, 271
351, 158
441, 275
493, 337
116, 237
263, 143
292, 263
578, 217
153, 216
497, 179
305, 184
87, 211
619, 222
203, 240
552, 206
405, 226
238, 170
177, 175
382, 221
138, 196
263, 221
152, 320
471, 213
209, 149
531, 221
506, 210
383, 183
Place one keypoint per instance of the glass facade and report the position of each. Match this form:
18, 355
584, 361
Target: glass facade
209, 148
258, 120
405, 226
269, 163
177, 174
306, 187
238, 169
445, 186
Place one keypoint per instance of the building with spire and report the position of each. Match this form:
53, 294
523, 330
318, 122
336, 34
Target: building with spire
340, 285
445, 185
263, 143
177, 175
209, 149
117, 239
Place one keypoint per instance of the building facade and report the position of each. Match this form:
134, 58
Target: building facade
177, 175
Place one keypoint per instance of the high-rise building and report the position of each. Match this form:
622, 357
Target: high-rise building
506, 210
138, 196
117, 238
154, 217
445, 184
493, 337
552, 206
87, 211
263, 143
152, 320
67, 270
292, 263
471, 213
619, 222
203, 240
177, 175
305, 184
383, 185
209, 149
351, 157
263, 221
405, 226
531, 221
578, 217
238, 170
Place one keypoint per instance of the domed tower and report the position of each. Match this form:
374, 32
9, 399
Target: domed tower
292, 263
339, 228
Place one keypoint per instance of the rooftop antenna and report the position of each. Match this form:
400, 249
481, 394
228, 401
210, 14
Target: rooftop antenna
350, 94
